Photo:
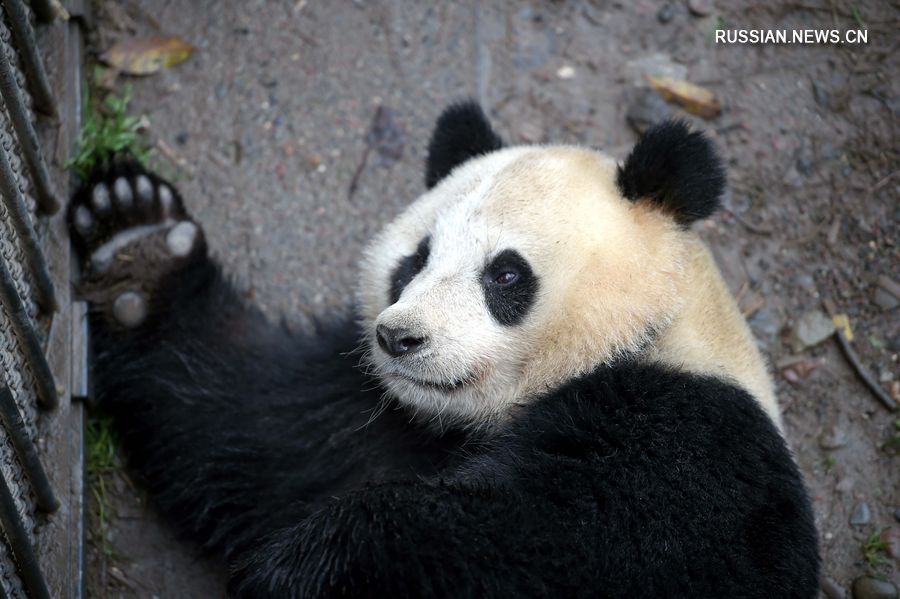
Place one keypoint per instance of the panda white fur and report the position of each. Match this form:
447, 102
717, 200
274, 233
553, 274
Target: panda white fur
558, 396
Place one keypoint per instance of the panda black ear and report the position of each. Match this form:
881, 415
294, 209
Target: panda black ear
462, 132
677, 169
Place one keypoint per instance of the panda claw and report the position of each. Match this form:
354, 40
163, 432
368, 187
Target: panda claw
123, 194
144, 189
166, 200
100, 199
84, 221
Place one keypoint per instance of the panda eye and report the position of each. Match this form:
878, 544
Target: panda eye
507, 277
510, 287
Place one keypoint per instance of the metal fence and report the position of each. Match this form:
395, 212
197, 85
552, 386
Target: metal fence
28, 304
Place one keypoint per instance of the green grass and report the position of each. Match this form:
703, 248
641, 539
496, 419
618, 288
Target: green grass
893, 442
101, 462
857, 16
874, 550
107, 129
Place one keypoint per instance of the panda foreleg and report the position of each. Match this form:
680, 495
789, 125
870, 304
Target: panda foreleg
420, 539
201, 387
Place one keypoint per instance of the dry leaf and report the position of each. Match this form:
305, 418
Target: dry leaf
842, 322
386, 136
800, 370
693, 98
146, 56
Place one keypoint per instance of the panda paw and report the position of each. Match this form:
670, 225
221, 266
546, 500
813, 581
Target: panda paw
131, 229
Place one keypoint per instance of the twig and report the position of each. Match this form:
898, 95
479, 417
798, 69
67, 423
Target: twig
176, 160
861, 371
354, 182
883, 182
748, 225
754, 307
864, 374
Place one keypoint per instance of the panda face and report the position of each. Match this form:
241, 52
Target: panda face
518, 271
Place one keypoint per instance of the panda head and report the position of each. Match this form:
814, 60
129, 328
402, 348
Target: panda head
523, 267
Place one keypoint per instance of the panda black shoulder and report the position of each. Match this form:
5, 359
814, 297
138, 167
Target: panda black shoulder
691, 461
676, 168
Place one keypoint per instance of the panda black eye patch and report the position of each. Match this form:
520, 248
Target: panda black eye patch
408, 268
510, 287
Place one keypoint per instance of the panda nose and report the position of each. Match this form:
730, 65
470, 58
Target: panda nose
398, 342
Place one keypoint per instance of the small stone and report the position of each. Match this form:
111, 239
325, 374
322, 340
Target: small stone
820, 94
889, 285
565, 72
866, 587
654, 65
891, 539
831, 589
885, 300
647, 109
531, 132
181, 138
834, 438
845, 485
665, 13
701, 8
766, 324
130, 309
861, 514
805, 165
812, 328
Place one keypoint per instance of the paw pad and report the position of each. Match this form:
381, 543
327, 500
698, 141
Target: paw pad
130, 309
131, 229
181, 237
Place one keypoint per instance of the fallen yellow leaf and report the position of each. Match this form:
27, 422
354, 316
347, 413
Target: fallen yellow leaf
842, 321
693, 98
145, 56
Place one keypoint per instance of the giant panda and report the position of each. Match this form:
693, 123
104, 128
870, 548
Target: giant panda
545, 388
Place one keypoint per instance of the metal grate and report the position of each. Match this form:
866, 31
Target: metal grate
27, 301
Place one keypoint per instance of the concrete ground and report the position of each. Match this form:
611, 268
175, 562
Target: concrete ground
266, 126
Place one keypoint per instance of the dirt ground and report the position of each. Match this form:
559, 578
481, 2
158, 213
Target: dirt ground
266, 125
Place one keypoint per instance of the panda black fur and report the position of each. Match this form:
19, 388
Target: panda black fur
632, 478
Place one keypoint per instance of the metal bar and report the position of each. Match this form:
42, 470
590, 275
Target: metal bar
28, 341
27, 452
43, 10
80, 355
20, 543
32, 64
28, 141
18, 215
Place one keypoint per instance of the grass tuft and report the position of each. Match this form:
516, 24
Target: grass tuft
101, 462
107, 129
874, 550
